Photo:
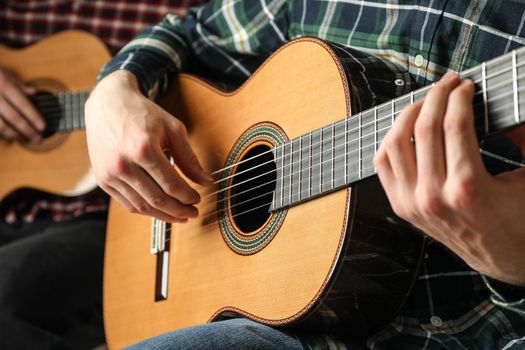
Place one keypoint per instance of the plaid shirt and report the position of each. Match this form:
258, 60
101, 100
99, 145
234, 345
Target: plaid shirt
115, 22
451, 306
24, 22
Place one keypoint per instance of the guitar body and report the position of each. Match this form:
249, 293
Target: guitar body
317, 258
67, 61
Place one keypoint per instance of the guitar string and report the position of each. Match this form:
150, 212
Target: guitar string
336, 135
215, 213
291, 174
58, 116
333, 140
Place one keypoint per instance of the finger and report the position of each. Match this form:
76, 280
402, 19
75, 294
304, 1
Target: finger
400, 148
11, 120
157, 199
385, 173
126, 194
158, 167
6, 131
428, 133
19, 100
461, 143
183, 154
116, 194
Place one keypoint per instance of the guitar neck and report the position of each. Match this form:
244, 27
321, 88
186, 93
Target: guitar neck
342, 153
63, 111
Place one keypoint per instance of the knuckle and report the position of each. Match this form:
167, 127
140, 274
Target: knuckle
119, 166
143, 207
438, 90
158, 201
464, 193
394, 142
172, 189
425, 126
455, 124
142, 151
462, 93
178, 127
430, 203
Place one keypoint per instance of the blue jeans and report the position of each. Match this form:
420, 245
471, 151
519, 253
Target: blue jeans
238, 333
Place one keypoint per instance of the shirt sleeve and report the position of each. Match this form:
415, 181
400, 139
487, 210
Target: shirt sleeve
505, 295
220, 40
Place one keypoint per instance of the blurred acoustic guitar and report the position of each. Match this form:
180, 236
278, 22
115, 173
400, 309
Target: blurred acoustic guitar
63, 68
296, 230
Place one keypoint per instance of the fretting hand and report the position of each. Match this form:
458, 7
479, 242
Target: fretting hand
441, 186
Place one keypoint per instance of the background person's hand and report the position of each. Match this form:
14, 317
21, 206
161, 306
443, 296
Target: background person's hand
19, 120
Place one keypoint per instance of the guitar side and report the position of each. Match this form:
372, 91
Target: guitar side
284, 282
67, 61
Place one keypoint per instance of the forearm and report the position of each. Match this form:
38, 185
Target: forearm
220, 44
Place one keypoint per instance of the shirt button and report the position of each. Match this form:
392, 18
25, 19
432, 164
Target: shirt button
436, 321
419, 61
399, 82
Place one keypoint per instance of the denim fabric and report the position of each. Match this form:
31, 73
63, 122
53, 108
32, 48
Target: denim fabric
238, 333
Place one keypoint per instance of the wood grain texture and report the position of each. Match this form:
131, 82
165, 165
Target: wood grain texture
67, 61
300, 89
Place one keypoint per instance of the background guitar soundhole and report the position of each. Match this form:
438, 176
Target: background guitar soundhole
49, 107
252, 189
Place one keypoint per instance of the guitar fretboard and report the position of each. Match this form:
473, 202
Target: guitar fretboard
341, 153
63, 111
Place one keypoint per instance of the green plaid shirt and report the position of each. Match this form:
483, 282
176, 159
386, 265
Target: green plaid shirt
451, 306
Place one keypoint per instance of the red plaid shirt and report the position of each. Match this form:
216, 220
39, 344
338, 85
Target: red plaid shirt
24, 22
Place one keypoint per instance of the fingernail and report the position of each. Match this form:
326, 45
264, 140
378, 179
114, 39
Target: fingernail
196, 198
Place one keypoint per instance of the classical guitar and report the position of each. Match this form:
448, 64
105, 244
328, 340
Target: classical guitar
63, 67
282, 237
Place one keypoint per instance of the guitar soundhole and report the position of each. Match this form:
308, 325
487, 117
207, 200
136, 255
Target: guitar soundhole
252, 189
48, 106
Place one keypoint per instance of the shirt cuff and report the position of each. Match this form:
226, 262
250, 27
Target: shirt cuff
506, 295
128, 62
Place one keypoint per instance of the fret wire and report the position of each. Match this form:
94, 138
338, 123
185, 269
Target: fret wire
74, 105
333, 155
484, 87
345, 172
360, 173
66, 110
515, 86
310, 165
282, 173
300, 165
393, 111
291, 172
375, 134
321, 160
